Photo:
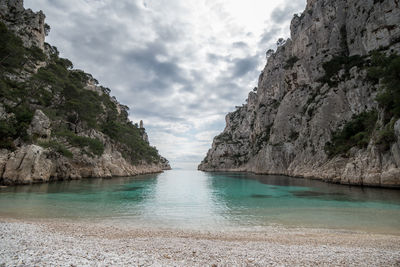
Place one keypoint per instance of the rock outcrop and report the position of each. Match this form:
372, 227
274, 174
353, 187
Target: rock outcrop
46, 133
40, 125
28, 25
35, 164
287, 122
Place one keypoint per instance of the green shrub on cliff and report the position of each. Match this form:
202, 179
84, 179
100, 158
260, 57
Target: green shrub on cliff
382, 69
60, 91
290, 62
133, 146
355, 133
15, 126
95, 145
7, 134
387, 70
386, 136
57, 147
13, 54
338, 63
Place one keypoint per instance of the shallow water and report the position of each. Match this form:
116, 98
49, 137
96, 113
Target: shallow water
198, 200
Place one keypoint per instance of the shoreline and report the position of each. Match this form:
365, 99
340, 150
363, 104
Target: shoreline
49, 242
2, 185
314, 178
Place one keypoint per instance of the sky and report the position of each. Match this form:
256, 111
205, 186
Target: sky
179, 65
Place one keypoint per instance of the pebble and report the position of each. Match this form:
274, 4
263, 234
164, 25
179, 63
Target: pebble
86, 244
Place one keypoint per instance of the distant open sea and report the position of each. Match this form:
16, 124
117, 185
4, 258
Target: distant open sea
197, 200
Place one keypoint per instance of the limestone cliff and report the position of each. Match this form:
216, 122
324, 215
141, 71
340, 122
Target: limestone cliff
315, 112
57, 122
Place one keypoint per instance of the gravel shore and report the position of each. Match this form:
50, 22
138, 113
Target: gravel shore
57, 243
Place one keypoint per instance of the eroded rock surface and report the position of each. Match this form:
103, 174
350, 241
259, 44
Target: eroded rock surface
61, 146
25, 23
285, 125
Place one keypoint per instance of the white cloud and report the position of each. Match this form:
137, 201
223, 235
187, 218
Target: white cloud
206, 135
180, 66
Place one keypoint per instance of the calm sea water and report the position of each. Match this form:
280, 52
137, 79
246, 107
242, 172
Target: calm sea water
197, 200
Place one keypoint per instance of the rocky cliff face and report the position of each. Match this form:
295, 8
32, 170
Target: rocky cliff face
315, 88
57, 123
25, 23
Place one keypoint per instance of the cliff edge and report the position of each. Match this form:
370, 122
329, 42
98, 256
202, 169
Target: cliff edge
327, 105
57, 122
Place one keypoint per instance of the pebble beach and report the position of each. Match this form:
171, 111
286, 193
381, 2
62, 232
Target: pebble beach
64, 243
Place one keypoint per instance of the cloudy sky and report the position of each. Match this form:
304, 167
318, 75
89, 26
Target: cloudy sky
180, 65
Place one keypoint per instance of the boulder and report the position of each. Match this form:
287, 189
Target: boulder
40, 125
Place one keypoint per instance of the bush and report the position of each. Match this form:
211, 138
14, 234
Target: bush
386, 136
12, 51
15, 127
262, 139
95, 145
70, 83
60, 92
13, 55
7, 133
57, 147
337, 63
355, 133
386, 69
135, 148
290, 62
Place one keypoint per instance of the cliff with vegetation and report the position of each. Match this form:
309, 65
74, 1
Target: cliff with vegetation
327, 105
57, 122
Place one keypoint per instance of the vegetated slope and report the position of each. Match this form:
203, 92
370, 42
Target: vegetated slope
327, 104
56, 122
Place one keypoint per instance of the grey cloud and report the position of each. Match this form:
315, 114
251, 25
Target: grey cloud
131, 68
168, 34
190, 158
268, 36
282, 14
197, 76
168, 71
243, 66
150, 111
214, 58
240, 45
142, 73
58, 4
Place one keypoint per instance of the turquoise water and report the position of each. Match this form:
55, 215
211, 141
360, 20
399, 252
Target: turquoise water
197, 200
